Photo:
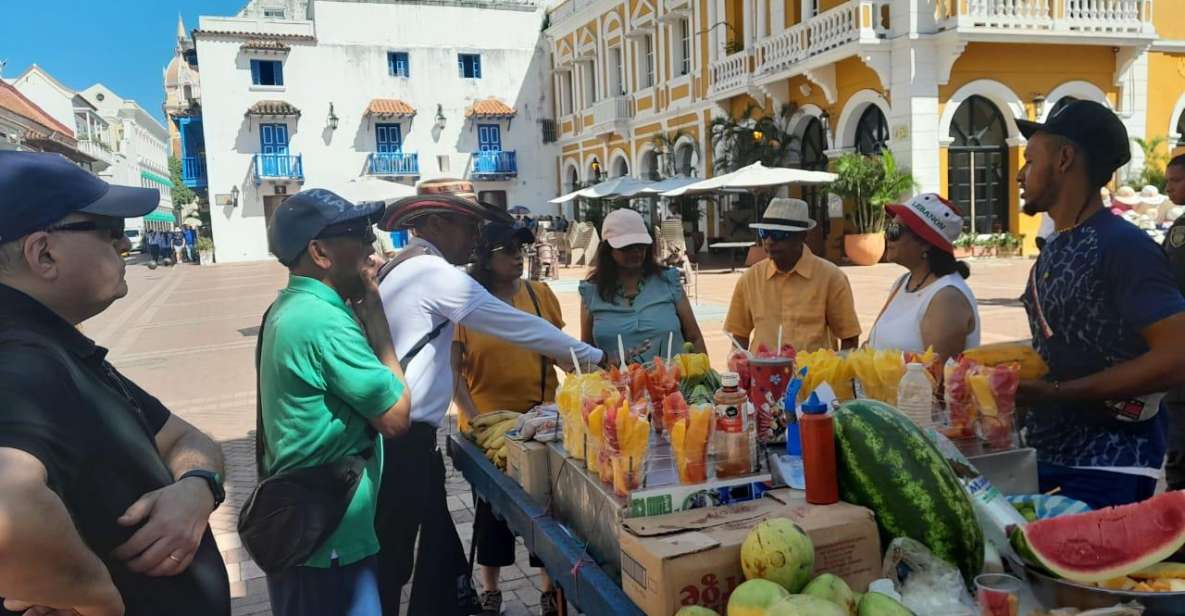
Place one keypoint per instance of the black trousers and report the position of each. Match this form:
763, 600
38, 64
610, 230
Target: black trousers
412, 502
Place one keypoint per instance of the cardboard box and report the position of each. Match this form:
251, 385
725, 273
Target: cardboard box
526, 463
694, 557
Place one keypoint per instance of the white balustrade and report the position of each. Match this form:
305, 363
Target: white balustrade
609, 110
826, 31
730, 72
1102, 16
1107, 15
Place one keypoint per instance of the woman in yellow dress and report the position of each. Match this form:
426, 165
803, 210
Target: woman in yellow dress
495, 375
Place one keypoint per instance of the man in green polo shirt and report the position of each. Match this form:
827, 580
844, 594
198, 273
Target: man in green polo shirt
329, 384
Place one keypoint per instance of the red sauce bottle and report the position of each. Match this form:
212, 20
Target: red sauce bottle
818, 453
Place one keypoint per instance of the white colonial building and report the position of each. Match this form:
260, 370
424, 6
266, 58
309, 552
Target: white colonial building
302, 93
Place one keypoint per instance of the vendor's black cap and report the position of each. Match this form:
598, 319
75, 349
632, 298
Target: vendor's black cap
496, 235
1095, 128
303, 216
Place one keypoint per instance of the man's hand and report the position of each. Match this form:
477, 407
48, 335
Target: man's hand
174, 519
1031, 391
112, 607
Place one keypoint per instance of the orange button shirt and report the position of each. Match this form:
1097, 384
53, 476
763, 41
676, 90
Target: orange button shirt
813, 304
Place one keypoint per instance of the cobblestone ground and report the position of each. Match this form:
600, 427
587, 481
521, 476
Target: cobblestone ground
187, 335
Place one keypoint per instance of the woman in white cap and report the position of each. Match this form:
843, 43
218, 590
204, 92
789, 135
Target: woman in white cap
628, 294
931, 305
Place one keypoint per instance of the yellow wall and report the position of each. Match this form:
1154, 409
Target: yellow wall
1166, 85
1016, 66
1169, 18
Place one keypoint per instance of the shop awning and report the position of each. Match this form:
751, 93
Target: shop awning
489, 108
273, 108
159, 179
159, 216
389, 108
754, 176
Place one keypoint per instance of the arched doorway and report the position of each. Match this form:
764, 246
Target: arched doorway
573, 180
1181, 129
685, 160
649, 166
872, 132
978, 165
811, 156
621, 168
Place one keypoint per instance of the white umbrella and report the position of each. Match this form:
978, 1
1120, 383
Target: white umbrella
566, 198
756, 175
622, 187
667, 185
369, 188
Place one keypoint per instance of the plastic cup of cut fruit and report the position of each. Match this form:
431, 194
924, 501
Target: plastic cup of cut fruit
998, 594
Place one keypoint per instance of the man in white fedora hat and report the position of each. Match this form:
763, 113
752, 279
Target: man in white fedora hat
808, 298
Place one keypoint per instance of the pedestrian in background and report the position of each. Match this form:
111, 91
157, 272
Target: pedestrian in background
178, 241
153, 245
105, 495
1174, 246
190, 235
329, 384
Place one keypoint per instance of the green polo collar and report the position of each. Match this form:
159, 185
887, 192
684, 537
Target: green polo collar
316, 288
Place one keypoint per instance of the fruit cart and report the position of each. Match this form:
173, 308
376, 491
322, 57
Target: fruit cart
581, 581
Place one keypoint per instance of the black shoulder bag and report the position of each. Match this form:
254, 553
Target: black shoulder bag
292, 513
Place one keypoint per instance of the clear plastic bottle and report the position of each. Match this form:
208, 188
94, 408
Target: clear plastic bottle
915, 395
733, 457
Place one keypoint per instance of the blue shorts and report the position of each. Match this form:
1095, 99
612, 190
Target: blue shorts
352, 590
1096, 488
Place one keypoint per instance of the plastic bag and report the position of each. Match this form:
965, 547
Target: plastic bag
993, 389
929, 586
960, 407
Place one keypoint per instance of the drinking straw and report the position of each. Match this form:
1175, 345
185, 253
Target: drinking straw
620, 351
575, 362
670, 345
778, 349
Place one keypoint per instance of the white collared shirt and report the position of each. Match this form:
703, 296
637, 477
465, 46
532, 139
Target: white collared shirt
426, 290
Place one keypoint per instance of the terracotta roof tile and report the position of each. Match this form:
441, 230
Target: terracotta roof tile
273, 108
389, 107
489, 108
12, 100
255, 35
265, 45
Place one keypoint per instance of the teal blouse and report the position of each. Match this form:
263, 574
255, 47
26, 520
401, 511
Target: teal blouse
652, 316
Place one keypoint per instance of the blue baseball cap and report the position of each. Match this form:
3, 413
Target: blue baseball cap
303, 216
38, 189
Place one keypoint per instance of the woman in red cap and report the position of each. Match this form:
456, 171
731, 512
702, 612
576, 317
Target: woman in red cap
931, 305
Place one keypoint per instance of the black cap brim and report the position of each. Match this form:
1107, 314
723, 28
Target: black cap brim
1028, 128
125, 202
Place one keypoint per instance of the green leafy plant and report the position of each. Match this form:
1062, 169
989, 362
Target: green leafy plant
204, 243
868, 183
733, 46
965, 242
754, 137
1155, 158
181, 193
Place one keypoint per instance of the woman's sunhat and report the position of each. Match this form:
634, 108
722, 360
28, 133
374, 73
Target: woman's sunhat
1127, 196
785, 214
441, 196
931, 218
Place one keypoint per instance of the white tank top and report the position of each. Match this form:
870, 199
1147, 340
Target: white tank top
900, 326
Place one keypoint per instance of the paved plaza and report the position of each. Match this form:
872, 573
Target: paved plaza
187, 335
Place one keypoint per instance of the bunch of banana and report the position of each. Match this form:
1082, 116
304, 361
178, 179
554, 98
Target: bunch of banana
489, 432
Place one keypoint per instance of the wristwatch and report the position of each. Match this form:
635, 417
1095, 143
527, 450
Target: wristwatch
212, 479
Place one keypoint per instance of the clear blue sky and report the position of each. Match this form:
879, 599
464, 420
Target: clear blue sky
124, 44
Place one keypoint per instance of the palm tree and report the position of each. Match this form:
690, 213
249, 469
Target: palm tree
664, 146
1154, 162
752, 137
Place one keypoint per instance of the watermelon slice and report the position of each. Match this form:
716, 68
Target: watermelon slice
1109, 543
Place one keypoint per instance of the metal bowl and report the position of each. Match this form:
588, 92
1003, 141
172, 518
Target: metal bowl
1053, 593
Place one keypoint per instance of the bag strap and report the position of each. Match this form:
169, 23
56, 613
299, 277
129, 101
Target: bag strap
542, 360
406, 255
260, 441
421, 343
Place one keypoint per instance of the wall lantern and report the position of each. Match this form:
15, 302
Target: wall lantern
440, 119
332, 119
234, 196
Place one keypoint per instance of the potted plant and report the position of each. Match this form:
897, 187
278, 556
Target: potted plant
867, 184
205, 248
963, 246
984, 245
1008, 245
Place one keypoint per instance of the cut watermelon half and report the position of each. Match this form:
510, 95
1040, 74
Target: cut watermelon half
1109, 543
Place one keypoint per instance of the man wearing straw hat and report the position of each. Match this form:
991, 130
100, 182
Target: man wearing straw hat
425, 296
792, 296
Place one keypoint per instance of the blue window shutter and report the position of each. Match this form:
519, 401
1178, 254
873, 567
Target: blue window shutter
406, 64
461, 65
255, 72
391, 64
278, 67
477, 67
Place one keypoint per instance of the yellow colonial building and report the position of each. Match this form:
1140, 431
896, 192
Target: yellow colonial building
637, 83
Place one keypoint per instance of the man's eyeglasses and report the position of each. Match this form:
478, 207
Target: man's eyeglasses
113, 226
775, 235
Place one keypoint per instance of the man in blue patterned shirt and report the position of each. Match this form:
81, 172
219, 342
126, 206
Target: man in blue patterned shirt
1105, 313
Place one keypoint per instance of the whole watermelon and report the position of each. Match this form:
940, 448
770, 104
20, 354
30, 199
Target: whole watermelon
889, 466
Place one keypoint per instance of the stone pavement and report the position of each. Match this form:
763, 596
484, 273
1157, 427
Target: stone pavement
187, 335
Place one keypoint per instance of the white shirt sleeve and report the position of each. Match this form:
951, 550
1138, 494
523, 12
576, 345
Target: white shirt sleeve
490, 315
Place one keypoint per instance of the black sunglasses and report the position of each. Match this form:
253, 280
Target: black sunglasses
774, 234
113, 226
895, 231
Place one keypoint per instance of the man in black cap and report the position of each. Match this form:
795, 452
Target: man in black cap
105, 495
1105, 314
1174, 246
329, 384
